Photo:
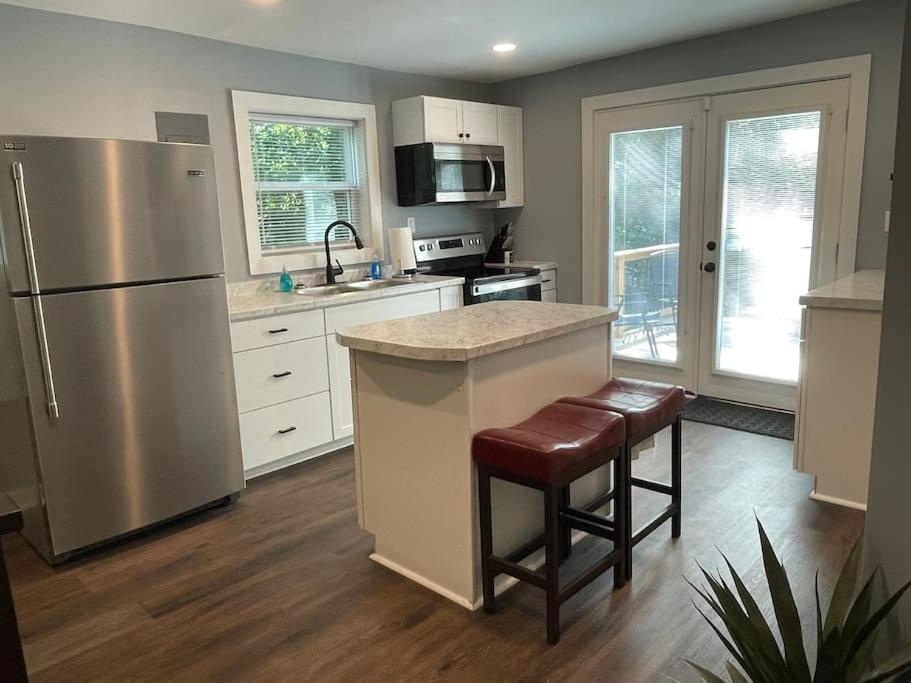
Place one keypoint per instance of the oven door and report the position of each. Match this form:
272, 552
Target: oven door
525, 288
468, 173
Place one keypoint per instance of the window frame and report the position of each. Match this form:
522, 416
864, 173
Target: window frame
247, 105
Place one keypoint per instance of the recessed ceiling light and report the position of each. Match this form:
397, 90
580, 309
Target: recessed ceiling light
503, 47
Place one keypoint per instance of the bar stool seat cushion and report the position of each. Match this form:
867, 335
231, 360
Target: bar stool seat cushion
549, 443
647, 406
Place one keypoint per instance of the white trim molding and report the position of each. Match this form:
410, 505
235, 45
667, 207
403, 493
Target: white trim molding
364, 116
857, 69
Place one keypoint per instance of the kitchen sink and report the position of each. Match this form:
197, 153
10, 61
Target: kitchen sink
373, 284
324, 290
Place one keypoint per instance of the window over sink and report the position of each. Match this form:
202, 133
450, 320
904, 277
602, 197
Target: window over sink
305, 163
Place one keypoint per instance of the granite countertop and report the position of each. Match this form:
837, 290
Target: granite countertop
531, 263
862, 291
247, 305
464, 333
10, 515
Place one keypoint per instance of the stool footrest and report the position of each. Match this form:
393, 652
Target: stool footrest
591, 574
589, 523
665, 515
517, 571
656, 486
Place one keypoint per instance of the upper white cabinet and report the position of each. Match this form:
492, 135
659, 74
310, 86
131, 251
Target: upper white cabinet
509, 127
438, 119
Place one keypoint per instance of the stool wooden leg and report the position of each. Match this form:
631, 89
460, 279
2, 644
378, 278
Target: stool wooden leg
621, 493
566, 533
628, 508
485, 514
676, 475
552, 562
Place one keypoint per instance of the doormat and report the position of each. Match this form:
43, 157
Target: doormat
743, 418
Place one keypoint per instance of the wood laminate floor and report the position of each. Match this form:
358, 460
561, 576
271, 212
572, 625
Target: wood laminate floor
278, 586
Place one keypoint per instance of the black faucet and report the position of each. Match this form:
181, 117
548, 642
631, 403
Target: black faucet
332, 271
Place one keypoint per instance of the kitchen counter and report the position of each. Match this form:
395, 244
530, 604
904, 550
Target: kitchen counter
474, 331
422, 387
862, 291
244, 304
540, 265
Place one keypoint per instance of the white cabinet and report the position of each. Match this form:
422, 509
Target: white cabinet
437, 119
442, 120
294, 380
509, 132
479, 123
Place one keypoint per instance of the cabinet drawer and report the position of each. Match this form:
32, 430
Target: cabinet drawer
280, 373
382, 309
548, 280
276, 432
278, 329
549, 295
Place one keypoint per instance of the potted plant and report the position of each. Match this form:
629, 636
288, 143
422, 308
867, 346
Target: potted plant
845, 636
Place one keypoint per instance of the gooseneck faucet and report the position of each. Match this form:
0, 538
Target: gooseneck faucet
332, 271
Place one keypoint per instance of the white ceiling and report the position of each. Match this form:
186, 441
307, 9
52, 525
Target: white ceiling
444, 39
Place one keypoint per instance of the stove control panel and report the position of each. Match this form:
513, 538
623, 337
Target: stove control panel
449, 246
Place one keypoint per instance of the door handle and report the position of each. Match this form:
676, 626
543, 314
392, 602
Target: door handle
493, 175
709, 267
37, 307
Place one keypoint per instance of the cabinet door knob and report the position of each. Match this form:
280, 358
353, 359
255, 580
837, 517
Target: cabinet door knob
467, 135
461, 135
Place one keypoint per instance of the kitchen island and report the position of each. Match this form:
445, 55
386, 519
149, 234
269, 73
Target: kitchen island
422, 387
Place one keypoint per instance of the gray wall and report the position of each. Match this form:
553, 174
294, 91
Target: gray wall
550, 223
889, 509
64, 75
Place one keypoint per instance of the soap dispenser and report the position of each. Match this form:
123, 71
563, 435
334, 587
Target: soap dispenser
285, 283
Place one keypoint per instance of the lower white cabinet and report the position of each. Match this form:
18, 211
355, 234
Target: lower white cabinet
280, 373
340, 381
294, 379
279, 431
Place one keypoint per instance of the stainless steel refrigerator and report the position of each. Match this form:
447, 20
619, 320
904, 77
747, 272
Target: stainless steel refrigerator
117, 398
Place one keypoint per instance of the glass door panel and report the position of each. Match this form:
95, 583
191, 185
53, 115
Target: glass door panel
767, 218
645, 183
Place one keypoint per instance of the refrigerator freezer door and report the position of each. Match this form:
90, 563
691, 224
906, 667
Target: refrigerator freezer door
109, 211
147, 425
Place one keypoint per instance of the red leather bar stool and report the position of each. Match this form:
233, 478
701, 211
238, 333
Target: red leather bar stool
648, 407
549, 451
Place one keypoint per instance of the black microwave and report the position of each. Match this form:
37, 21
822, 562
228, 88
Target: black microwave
434, 173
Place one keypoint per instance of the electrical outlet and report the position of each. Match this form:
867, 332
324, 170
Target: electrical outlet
411, 223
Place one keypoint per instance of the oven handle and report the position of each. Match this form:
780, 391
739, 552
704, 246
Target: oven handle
493, 175
502, 286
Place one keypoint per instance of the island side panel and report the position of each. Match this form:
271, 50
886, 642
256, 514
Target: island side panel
414, 462
509, 387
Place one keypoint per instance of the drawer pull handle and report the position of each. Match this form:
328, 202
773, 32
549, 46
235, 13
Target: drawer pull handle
545, 280
279, 375
287, 430
279, 330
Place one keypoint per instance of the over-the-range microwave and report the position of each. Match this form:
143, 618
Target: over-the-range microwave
435, 173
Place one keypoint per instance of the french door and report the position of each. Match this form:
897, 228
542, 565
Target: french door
718, 214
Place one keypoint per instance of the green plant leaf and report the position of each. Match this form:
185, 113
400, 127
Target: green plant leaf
898, 663
729, 646
707, 675
859, 612
868, 629
830, 659
734, 673
845, 587
785, 611
741, 630
765, 639
860, 663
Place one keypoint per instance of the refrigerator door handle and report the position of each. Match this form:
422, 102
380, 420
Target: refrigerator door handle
25, 222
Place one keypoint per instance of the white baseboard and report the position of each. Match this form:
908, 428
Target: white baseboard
276, 465
424, 581
838, 501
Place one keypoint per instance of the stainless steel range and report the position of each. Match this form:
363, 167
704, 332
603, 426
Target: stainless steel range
463, 255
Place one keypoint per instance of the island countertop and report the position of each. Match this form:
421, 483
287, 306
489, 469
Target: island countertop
462, 334
862, 291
